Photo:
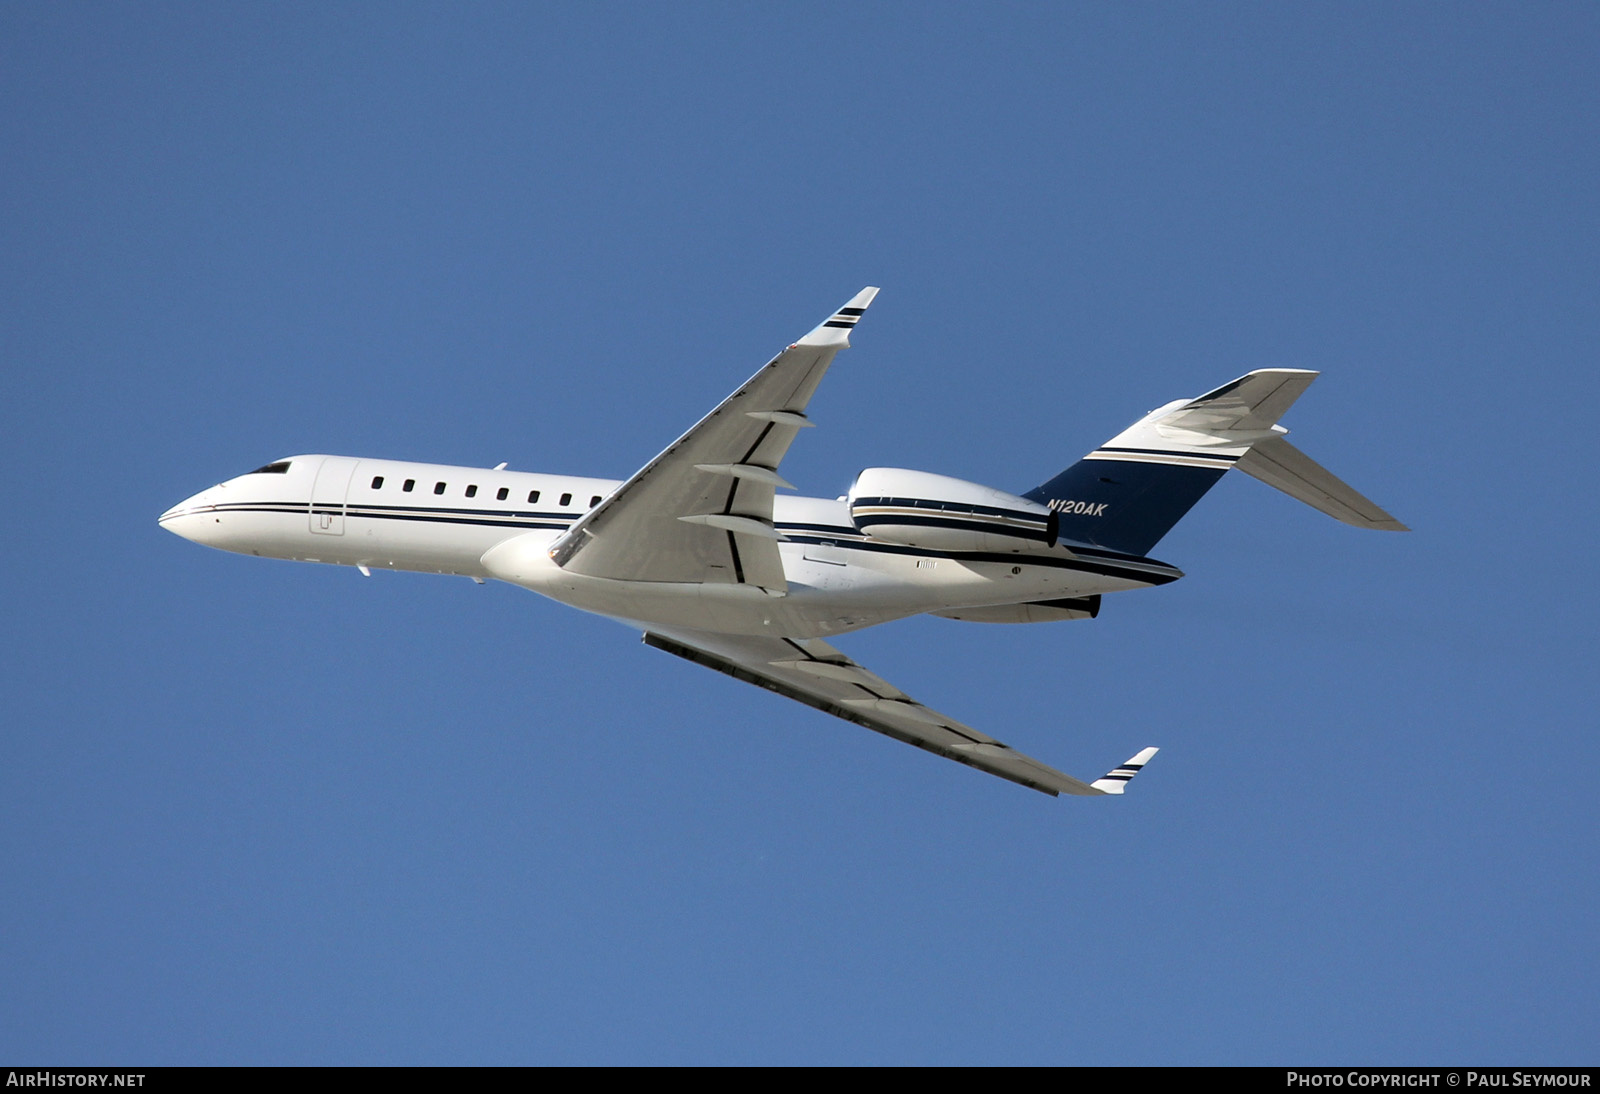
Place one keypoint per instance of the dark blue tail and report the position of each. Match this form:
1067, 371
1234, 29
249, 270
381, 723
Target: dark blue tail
1122, 505
1128, 493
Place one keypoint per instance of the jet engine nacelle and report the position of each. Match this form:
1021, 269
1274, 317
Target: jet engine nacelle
918, 509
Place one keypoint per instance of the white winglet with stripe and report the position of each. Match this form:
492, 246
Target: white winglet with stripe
1117, 779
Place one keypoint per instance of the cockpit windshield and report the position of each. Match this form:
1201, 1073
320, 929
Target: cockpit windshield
278, 468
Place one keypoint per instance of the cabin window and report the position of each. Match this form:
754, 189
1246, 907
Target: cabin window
279, 468
533, 497
472, 491
502, 493
594, 501
408, 485
377, 482
566, 500
438, 488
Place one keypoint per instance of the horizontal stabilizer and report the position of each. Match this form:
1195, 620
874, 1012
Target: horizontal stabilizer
1280, 464
1253, 402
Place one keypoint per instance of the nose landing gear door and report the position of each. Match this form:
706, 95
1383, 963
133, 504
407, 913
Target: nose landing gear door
328, 494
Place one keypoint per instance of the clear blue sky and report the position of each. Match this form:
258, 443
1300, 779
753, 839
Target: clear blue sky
253, 811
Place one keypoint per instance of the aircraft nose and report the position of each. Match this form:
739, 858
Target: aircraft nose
190, 517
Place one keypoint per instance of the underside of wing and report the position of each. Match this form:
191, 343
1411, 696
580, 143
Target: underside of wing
701, 511
813, 672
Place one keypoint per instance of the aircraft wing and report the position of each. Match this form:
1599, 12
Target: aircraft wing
814, 673
701, 511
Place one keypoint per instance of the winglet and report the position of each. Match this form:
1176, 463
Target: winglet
1116, 780
835, 330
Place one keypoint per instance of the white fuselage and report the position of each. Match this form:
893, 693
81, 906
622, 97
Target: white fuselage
500, 524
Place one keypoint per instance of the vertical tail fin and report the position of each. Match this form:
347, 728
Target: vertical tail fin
1129, 492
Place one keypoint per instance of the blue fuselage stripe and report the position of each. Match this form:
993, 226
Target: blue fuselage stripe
842, 537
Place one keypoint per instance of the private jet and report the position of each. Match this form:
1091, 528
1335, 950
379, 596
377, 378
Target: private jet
699, 551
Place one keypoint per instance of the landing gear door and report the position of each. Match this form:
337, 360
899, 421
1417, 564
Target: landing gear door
328, 494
